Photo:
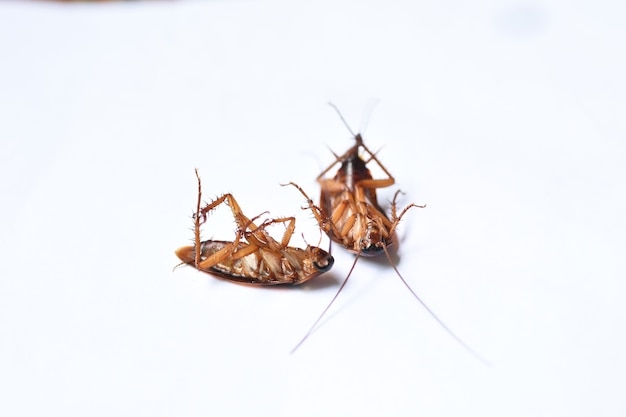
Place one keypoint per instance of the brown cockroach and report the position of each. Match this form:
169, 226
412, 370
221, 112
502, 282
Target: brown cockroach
350, 215
254, 257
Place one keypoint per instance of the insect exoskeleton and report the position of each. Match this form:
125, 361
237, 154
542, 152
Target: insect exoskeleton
262, 267
254, 257
349, 211
350, 215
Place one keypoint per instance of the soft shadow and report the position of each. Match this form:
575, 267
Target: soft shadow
327, 280
381, 259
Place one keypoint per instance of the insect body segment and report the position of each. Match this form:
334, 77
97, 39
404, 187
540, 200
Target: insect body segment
254, 257
349, 212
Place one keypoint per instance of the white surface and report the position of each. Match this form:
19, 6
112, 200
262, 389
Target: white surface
506, 118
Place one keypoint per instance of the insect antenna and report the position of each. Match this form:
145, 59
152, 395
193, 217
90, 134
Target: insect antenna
342, 119
366, 115
367, 112
345, 281
432, 313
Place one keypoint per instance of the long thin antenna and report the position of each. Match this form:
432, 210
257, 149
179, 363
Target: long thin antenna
341, 117
366, 115
437, 319
327, 307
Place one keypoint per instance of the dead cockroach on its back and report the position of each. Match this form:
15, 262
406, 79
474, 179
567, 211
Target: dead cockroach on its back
254, 257
350, 215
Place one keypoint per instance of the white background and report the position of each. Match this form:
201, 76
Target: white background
505, 117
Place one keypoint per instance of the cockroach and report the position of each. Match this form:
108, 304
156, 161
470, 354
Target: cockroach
254, 257
350, 215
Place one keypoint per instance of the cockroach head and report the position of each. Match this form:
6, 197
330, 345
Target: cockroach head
322, 260
373, 244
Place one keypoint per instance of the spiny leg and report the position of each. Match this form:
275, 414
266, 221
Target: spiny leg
196, 221
229, 250
242, 221
291, 227
354, 149
262, 238
320, 216
255, 237
250, 222
202, 213
372, 156
394, 215
375, 159
338, 160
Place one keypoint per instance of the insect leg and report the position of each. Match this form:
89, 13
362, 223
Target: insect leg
395, 219
320, 215
338, 160
291, 227
260, 237
196, 222
229, 250
202, 213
